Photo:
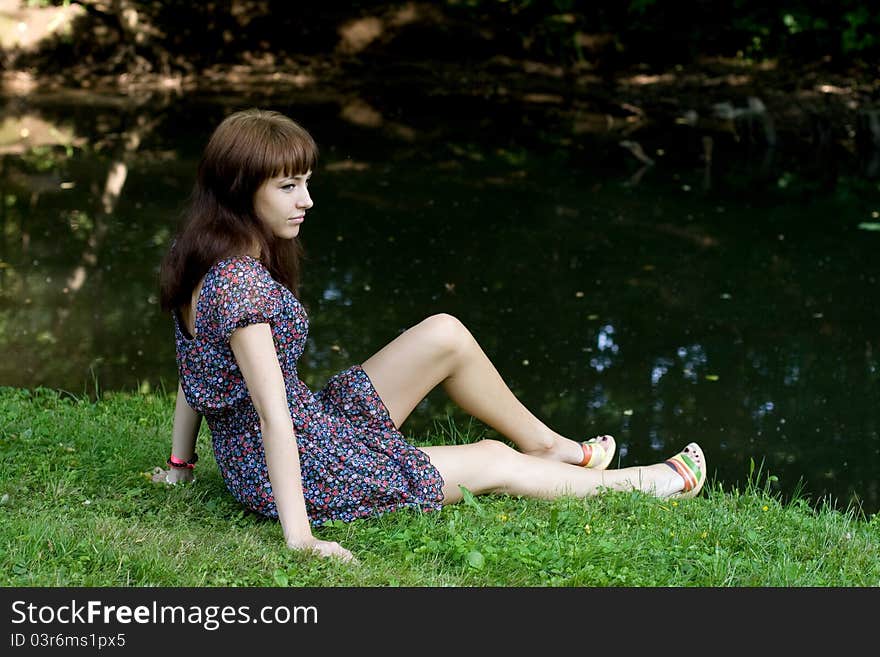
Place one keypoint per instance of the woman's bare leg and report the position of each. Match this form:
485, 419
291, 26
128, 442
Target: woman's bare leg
440, 350
490, 466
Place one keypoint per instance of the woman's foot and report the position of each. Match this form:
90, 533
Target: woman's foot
598, 452
595, 453
689, 466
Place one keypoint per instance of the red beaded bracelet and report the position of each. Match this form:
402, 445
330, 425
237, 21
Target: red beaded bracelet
175, 462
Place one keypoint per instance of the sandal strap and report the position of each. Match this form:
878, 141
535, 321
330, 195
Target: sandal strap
588, 453
594, 452
686, 468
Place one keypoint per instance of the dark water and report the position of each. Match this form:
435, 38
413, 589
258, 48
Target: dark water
734, 305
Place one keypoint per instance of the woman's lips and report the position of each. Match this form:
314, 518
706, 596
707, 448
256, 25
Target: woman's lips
297, 220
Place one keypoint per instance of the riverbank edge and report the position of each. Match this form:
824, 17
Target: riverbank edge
811, 107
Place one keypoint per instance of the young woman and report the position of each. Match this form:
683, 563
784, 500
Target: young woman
230, 281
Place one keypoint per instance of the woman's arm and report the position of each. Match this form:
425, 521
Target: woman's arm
184, 432
254, 351
186, 428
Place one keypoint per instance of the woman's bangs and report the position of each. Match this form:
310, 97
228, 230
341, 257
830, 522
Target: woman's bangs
290, 155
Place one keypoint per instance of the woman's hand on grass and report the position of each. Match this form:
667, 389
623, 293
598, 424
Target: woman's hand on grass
322, 549
172, 476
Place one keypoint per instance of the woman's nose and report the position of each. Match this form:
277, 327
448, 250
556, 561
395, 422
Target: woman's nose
305, 201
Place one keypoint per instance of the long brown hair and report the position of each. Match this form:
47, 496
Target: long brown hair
245, 150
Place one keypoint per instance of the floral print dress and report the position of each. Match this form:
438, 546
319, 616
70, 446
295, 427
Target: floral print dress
354, 462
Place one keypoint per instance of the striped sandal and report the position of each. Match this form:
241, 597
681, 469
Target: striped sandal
690, 465
598, 452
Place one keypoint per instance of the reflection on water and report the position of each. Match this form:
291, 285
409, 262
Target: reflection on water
662, 309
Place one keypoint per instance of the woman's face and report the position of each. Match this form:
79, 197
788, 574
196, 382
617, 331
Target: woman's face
281, 204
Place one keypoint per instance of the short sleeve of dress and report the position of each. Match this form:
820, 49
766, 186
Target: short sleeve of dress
243, 293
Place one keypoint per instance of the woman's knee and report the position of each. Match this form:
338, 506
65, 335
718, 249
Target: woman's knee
497, 453
447, 333
481, 467
498, 463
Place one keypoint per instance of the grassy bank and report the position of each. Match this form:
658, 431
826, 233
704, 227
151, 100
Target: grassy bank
77, 509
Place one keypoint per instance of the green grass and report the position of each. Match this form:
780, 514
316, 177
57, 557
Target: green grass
76, 509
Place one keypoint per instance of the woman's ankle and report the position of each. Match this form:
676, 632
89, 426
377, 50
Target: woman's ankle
662, 481
558, 448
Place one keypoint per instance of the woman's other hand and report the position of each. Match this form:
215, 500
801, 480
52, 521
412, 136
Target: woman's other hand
172, 476
323, 549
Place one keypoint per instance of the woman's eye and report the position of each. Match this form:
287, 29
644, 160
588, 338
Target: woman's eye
288, 188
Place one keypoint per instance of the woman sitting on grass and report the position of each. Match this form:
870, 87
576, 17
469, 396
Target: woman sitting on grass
230, 281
